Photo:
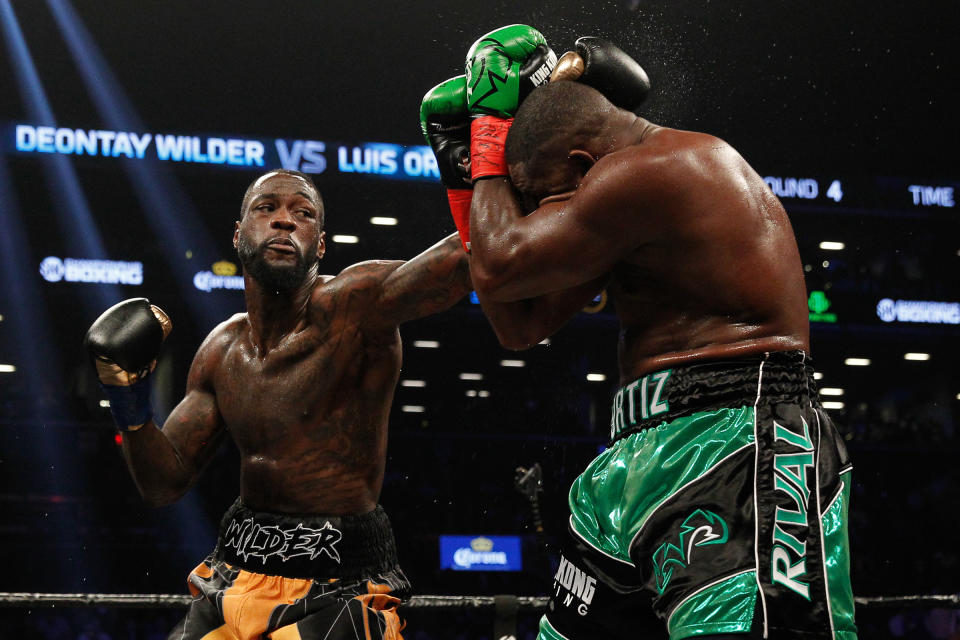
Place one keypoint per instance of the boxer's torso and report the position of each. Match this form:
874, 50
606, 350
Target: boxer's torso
721, 274
309, 414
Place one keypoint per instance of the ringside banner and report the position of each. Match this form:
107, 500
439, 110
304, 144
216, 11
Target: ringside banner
481, 553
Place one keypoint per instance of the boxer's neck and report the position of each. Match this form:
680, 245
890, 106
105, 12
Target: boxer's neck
273, 315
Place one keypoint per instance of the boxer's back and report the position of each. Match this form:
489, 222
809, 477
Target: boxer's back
309, 415
720, 275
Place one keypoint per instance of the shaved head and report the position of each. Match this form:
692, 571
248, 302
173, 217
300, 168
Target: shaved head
566, 110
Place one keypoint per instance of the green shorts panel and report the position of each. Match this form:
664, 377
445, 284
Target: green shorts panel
613, 498
837, 560
724, 607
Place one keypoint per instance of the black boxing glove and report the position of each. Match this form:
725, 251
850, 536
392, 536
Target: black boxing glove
124, 343
445, 124
604, 66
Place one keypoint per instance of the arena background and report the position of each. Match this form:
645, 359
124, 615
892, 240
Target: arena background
848, 109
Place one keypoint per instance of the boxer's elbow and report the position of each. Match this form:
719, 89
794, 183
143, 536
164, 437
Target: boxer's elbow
497, 268
491, 281
515, 342
518, 336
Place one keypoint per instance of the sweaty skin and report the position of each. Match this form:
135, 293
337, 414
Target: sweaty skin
303, 381
698, 255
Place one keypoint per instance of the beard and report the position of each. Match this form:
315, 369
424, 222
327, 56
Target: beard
273, 277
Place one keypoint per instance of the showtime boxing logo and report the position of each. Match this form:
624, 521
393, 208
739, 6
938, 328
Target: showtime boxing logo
54, 269
258, 541
921, 311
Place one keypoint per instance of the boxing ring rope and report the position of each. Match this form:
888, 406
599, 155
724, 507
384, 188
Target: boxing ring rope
522, 603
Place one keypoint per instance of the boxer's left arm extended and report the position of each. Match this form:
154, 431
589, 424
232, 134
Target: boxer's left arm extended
124, 344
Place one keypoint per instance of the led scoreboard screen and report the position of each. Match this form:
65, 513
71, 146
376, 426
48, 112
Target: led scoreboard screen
879, 194
841, 195
389, 160
380, 159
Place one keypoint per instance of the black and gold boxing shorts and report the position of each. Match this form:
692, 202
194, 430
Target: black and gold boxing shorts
286, 578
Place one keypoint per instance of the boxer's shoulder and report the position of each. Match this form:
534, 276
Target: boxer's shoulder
666, 160
226, 332
215, 346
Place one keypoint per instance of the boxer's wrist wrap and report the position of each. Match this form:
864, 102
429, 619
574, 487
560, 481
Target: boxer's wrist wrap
488, 137
129, 404
459, 200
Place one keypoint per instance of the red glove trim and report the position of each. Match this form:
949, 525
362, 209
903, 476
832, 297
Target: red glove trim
459, 200
488, 137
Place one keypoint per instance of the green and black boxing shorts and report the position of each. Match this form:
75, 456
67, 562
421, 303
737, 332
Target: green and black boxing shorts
721, 505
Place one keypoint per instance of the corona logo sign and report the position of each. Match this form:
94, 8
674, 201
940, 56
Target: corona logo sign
222, 275
224, 268
480, 553
481, 544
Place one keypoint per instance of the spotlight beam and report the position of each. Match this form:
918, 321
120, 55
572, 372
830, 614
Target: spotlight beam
168, 211
82, 236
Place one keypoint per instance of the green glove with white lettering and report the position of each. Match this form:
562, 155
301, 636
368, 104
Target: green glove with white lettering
503, 67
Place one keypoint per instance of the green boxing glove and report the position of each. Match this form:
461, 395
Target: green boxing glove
504, 66
445, 123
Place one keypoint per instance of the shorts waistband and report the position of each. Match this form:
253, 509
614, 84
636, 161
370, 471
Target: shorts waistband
666, 395
307, 546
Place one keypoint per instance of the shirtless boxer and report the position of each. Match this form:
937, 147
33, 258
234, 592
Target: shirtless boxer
303, 383
722, 499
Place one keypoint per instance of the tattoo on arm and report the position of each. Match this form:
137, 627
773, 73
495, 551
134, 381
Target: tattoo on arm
429, 283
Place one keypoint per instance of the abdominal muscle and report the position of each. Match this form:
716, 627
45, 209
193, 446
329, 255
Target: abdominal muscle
318, 479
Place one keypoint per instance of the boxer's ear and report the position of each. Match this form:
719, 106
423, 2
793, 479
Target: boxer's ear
582, 160
321, 245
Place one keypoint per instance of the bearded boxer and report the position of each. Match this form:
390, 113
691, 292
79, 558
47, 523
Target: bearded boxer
303, 383
722, 499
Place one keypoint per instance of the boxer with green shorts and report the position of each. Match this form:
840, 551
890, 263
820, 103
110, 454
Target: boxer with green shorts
721, 504
722, 501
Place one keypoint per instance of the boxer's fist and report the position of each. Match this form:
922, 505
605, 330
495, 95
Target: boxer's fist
504, 66
445, 123
604, 66
125, 340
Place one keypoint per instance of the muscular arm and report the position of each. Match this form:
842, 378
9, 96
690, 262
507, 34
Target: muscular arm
426, 284
166, 462
562, 244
